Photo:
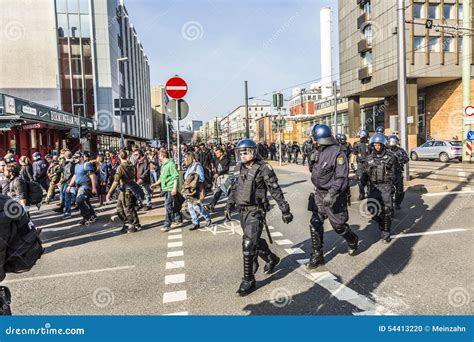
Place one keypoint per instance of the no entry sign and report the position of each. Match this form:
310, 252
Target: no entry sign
176, 87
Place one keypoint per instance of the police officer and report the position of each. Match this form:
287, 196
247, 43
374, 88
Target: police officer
307, 149
252, 179
381, 165
361, 150
330, 178
346, 147
380, 130
402, 159
126, 211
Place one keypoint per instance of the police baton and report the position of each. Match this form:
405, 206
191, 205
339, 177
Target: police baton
264, 221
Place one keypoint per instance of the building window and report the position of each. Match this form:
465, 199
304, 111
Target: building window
433, 11
434, 44
419, 43
73, 6
84, 6
61, 6
460, 13
368, 34
367, 58
421, 115
418, 10
367, 9
448, 11
373, 117
448, 44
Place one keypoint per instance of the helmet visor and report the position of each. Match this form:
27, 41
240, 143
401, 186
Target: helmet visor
246, 154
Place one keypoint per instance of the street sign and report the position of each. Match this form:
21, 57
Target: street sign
124, 112
469, 111
289, 127
429, 24
470, 135
183, 109
176, 87
127, 106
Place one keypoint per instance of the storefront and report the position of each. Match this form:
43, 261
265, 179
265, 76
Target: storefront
28, 127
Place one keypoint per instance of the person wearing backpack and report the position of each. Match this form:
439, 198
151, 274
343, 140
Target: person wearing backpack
40, 171
53, 175
84, 180
20, 245
66, 171
126, 211
18, 188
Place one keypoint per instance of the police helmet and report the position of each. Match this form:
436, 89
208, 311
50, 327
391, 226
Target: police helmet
36, 156
338, 137
363, 133
378, 138
343, 137
393, 141
322, 135
246, 147
380, 130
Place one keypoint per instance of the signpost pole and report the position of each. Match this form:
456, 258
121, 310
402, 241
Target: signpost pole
122, 145
168, 132
79, 124
279, 133
178, 146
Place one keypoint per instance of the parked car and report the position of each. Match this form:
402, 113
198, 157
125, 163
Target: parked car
444, 150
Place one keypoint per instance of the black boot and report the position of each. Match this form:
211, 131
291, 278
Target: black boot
387, 222
352, 241
361, 195
317, 258
247, 285
271, 261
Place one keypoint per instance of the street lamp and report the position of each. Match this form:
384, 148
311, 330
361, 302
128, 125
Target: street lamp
119, 60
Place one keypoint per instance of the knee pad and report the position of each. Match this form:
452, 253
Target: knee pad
247, 246
341, 229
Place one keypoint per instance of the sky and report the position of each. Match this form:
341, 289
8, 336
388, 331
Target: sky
216, 45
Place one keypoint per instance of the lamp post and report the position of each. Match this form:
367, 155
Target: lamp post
120, 60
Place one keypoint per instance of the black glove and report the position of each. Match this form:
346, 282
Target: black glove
329, 199
287, 217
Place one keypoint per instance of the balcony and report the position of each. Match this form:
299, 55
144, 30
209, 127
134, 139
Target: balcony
365, 72
361, 2
361, 20
363, 46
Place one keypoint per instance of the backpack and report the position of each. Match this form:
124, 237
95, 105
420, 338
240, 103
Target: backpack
24, 246
34, 192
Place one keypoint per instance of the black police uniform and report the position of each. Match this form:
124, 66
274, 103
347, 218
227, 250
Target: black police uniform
381, 167
249, 194
361, 150
346, 147
402, 159
330, 177
308, 148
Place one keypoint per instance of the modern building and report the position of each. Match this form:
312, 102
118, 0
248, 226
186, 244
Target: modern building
194, 125
161, 121
368, 66
69, 55
233, 124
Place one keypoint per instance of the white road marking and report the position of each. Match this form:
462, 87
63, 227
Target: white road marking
271, 227
447, 231
175, 244
302, 261
175, 296
175, 278
283, 242
174, 254
174, 264
174, 231
69, 274
292, 251
181, 313
447, 193
175, 237
276, 234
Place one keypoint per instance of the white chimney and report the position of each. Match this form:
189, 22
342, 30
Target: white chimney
326, 51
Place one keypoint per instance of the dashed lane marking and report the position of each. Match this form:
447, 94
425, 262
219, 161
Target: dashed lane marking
175, 231
181, 313
175, 244
175, 237
174, 264
447, 231
283, 242
292, 251
175, 296
276, 234
174, 254
175, 278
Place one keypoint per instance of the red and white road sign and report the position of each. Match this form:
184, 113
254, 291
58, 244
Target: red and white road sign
176, 87
469, 111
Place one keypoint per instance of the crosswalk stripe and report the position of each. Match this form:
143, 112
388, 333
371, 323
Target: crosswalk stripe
175, 296
174, 264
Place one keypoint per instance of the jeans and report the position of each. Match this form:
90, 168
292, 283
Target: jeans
147, 190
83, 202
154, 176
197, 210
67, 197
170, 211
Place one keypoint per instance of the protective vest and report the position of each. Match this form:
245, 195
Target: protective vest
380, 168
361, 149
247, 192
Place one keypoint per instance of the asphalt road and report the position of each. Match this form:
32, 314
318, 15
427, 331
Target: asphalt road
96, 270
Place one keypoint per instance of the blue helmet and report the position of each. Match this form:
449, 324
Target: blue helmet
393, 140
338, 137
322, 135
378, 138
380, 130
245, 147
343, 137
363, 133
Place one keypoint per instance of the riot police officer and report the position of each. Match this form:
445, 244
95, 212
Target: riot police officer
307, 149
380, 130
402, 159
346, 147
252, 179
330, 178
361, 150
381, 165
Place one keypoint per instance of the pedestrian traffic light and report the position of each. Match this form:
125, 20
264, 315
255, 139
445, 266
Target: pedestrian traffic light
278, 100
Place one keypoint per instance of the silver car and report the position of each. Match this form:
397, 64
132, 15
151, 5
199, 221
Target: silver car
444, 150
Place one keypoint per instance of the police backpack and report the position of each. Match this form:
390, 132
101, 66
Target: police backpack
23, 245
34, 192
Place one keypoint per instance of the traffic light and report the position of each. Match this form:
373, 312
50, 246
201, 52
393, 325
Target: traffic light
278, 100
